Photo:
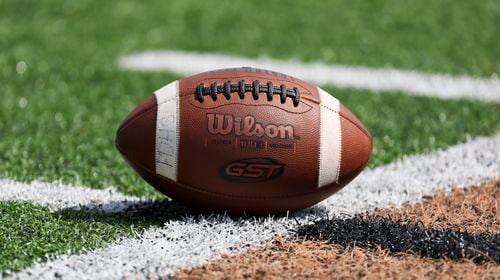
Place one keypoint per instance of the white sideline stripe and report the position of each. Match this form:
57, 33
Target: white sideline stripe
56, 196
187, 242
167, 130
385, 79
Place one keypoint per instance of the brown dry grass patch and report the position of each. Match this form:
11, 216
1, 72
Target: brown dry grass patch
319, 260
473, 210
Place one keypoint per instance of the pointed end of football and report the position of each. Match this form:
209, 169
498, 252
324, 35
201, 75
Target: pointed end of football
356, 146
135, 138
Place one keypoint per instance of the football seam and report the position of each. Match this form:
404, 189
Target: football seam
144, 112
198, 189
365, 132
356, 125
226, 195
123, 126
296, 113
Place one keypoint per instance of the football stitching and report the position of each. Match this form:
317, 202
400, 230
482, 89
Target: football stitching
242, 88
326, 107
298, 84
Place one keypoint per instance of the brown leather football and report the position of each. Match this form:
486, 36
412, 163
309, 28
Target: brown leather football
244, 140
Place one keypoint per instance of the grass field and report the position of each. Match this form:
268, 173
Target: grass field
444, 36
63, 95
29, 232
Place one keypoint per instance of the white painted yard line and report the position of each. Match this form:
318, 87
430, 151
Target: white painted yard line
386, 79
188, 242
57, 195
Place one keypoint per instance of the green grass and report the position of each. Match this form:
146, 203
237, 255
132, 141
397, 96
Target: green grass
406, 125
59, 115
66, 132
452, 36
29, 233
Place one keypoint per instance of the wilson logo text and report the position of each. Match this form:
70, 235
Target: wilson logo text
223, 124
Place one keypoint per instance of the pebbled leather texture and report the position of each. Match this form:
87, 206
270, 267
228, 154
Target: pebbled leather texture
356, 146
251, 170
203, 155
135, 138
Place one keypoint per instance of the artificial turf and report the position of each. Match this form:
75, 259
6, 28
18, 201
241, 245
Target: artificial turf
407, 125
30, 233
448, 36
63, 96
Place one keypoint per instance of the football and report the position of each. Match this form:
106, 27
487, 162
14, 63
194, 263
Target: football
244, 140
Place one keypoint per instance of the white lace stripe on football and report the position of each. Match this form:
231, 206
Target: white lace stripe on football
167, 130
330, 140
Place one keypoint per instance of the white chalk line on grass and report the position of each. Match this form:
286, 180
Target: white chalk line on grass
56, 196
385, 79
190, 241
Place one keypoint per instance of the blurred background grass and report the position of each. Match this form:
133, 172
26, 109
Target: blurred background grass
63, 95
